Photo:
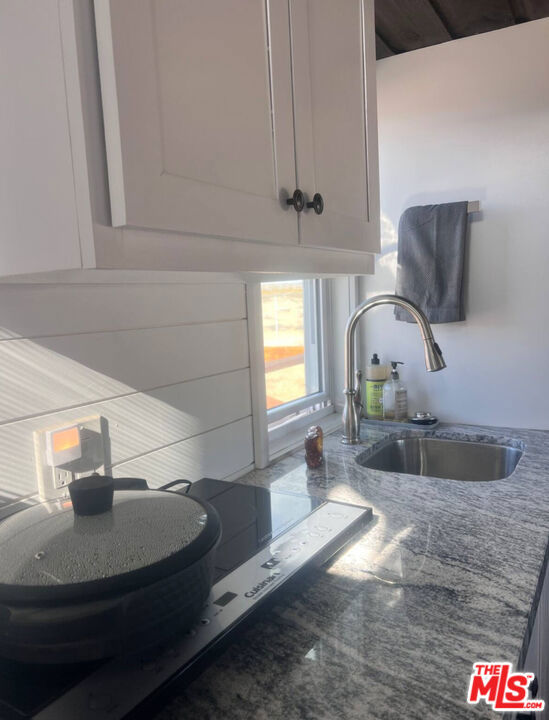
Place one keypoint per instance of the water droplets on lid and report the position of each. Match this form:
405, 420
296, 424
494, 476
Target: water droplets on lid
141, 530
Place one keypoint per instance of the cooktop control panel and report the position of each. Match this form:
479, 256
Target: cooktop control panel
118, 686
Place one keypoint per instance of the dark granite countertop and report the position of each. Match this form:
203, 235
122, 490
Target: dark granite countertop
448, 573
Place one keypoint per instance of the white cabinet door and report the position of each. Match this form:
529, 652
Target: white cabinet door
197, 102
333, 49
38, 216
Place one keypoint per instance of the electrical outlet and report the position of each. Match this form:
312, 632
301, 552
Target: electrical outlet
53, 480
61, 477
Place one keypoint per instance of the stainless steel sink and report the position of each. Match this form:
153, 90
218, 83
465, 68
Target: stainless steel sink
449, 459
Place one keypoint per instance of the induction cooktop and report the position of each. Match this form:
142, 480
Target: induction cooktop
268, 539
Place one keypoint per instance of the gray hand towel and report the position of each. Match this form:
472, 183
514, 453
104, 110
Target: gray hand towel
431, 254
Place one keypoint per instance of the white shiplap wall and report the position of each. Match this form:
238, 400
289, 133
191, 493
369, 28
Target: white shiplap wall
166, 365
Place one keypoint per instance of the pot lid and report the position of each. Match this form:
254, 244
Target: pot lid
48, 552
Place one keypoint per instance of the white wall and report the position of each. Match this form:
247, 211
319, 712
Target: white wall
166, 364
469, 120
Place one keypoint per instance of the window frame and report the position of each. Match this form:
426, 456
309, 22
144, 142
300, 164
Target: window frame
323, 395
269, 441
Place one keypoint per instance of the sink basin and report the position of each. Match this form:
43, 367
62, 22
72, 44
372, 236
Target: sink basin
449, 459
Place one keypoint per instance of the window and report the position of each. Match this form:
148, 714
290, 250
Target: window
294, 318
295, 330
290, 341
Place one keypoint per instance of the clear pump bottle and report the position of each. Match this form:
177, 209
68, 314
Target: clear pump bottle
395, 397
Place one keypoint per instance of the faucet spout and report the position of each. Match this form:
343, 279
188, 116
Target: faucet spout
433, 356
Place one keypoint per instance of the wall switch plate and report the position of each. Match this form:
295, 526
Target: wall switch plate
53, 480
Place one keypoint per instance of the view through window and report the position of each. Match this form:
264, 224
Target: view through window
291, 340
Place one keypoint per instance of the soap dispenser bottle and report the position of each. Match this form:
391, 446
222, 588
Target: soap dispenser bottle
395, 397
376, 375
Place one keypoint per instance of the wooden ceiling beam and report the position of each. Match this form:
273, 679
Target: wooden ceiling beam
469, 17
410, 25
525, 10
442, 19
403, 25
382, 49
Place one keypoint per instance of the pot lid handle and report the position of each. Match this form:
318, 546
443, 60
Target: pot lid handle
91, 495
131, 484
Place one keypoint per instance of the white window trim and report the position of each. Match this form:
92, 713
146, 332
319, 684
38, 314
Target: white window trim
271, 444
323, 378
257, 374
295, 406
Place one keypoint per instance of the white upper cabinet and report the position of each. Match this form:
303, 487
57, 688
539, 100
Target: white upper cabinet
38, 219
210, 106
333, 52
197, 99
173, 135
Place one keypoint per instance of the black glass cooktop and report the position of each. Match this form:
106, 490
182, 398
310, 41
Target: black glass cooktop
250, 518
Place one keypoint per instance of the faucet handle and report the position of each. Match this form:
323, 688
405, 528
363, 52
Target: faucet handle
357, 399
351, 419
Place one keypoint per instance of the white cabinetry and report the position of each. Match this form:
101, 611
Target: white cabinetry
198, 120
173, 132
336, 121
38, 219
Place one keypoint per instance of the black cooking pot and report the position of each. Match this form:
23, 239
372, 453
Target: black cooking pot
112, 570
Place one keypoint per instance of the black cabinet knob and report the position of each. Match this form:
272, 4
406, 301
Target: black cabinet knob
317, 204
297, 200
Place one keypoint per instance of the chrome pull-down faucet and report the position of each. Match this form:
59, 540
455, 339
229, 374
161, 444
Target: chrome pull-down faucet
433, 357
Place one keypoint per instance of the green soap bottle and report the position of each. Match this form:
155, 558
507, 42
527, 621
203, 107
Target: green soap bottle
376, 375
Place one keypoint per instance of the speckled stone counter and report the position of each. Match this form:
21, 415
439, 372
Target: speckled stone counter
446, 574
